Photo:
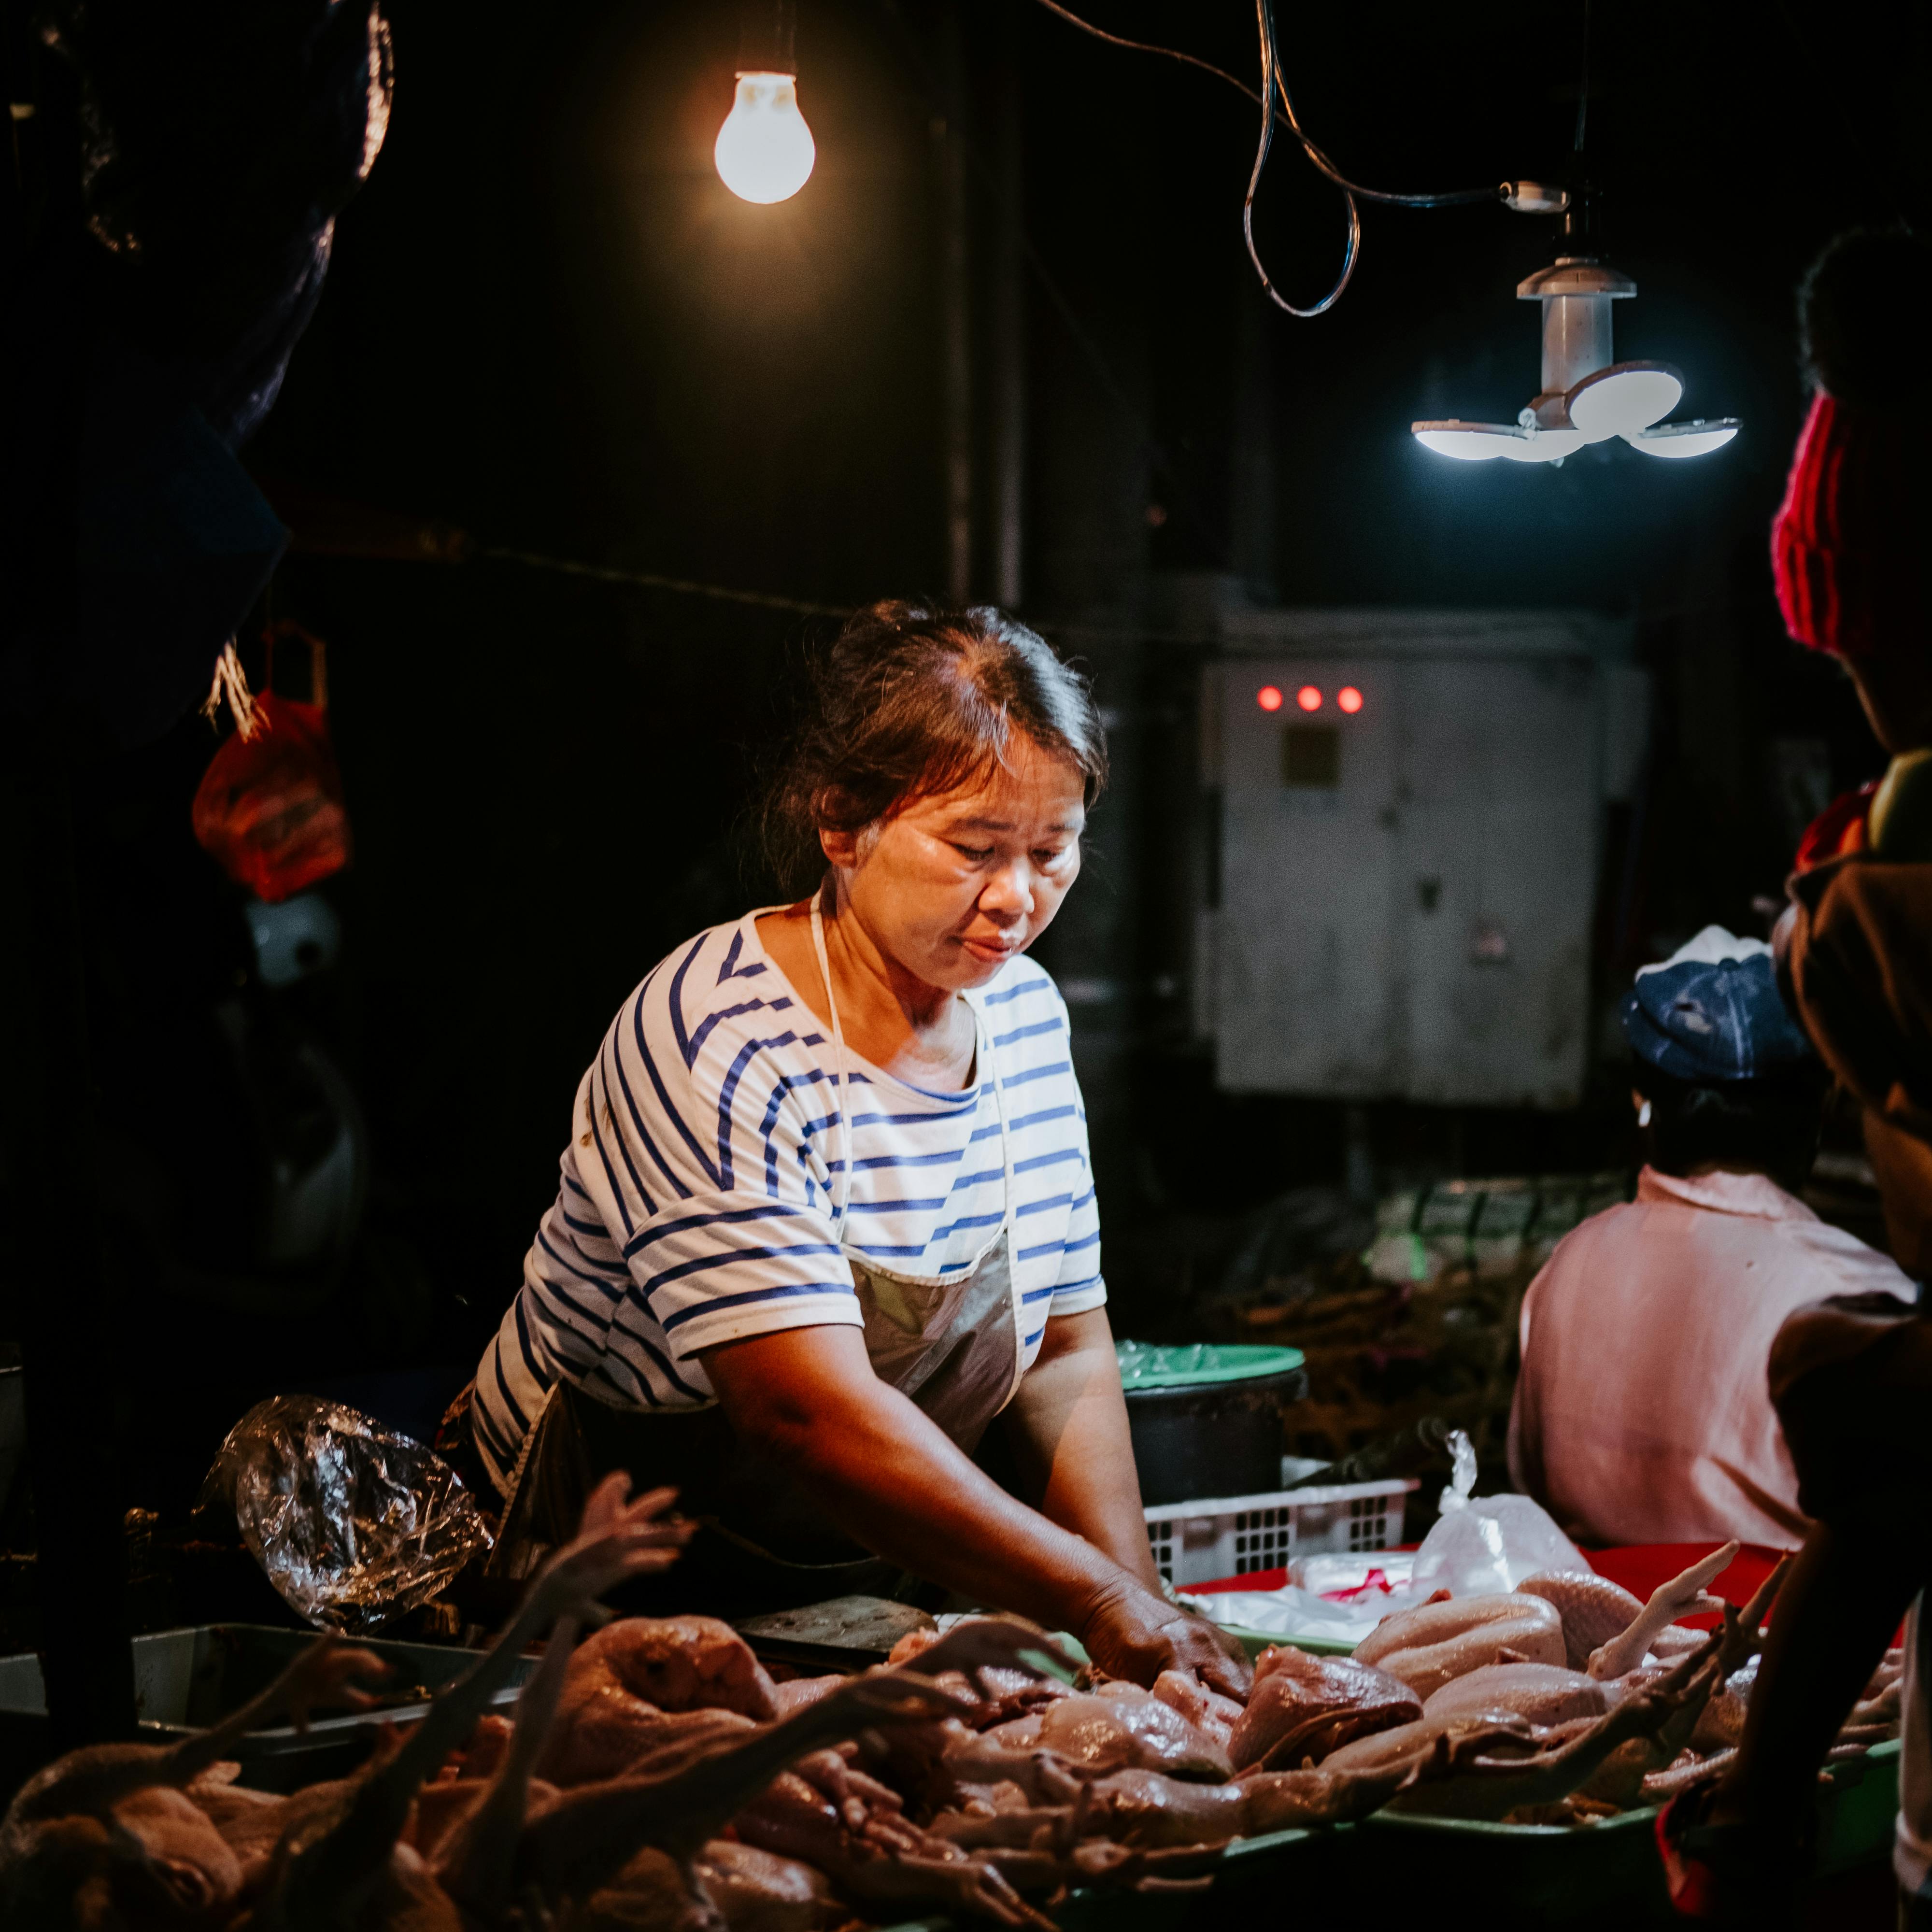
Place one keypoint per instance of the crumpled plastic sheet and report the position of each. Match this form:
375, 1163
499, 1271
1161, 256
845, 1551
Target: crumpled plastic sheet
354, 1524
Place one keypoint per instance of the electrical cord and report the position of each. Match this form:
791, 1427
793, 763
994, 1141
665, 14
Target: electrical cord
1273, 89
1271, 85
1583, 91
1285, 114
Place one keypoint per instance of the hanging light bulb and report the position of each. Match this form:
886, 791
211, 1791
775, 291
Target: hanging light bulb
1585, 397
764, 150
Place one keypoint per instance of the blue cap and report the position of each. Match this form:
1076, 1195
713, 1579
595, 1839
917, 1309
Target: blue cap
1712, 1011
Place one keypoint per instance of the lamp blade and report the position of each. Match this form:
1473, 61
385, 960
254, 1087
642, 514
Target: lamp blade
1698, 438
1623, 399
1467, 442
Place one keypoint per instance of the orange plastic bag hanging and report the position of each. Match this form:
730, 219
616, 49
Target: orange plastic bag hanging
269, 807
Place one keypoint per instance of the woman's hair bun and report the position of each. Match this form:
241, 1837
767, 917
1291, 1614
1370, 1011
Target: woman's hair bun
912, 698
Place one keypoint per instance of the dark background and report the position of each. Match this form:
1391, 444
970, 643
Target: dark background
548, 324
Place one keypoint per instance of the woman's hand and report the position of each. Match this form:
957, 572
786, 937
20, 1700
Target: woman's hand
1136, 1634
807, 1398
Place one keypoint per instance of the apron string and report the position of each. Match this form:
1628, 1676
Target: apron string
842, 1188
841, 1193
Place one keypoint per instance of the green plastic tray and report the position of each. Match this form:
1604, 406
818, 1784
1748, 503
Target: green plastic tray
1254, 1876
1363, 1876
1254, 1642
1611, 1870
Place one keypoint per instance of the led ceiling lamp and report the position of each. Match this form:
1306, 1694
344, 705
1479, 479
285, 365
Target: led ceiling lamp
1587, 395
764, 150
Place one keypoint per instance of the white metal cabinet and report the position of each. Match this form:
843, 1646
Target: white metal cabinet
1414, 921
1311, 867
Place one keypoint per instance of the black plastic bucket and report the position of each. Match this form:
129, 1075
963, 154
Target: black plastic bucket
1212, 1428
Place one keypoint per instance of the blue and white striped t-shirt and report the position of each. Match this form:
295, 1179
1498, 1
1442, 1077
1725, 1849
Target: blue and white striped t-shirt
697, 1184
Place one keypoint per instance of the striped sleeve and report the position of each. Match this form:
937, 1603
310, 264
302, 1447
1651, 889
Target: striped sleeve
709, 1161
1078, 1285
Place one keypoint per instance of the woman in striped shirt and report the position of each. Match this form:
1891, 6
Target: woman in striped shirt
826, 1210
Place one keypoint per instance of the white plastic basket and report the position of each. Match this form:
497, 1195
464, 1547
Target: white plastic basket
1229, 1536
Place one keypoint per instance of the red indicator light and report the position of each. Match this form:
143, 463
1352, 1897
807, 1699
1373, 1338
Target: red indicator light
1309, 698
1268, 697
1348, 698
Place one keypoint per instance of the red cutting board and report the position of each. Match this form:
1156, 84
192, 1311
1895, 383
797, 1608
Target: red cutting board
1642, 1566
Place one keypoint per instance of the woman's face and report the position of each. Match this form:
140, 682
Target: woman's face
951, 887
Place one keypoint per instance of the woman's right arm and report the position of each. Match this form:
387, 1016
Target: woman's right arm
896, 1483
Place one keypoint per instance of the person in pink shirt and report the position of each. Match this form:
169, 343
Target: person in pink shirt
1643, 1411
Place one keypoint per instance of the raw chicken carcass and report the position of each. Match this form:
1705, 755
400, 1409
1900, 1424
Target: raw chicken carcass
1128, 1729
677, 1664
199, 1871
1441, 1639
797, 1692
1212, 1715
111, 1820
1304, 1707
751, 1890
876, 1858
643, 1683
1593, 1609
759, 1891
1545, 1694
650, 1894
1681, 1595
1163, 1815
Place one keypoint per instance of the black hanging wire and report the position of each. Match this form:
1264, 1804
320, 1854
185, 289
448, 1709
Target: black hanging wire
1272, 86
1278, 105
1583, 94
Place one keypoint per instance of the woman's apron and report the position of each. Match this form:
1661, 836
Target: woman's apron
950, 1342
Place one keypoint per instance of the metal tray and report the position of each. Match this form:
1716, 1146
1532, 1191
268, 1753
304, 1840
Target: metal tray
186, 1680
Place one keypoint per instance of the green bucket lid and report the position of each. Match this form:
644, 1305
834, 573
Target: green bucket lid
1143, 1366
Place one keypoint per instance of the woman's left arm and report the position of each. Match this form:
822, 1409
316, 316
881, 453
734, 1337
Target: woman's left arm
1068, 1429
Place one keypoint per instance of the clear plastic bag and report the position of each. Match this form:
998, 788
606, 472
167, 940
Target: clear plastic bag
353, 1523
1484, 1545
